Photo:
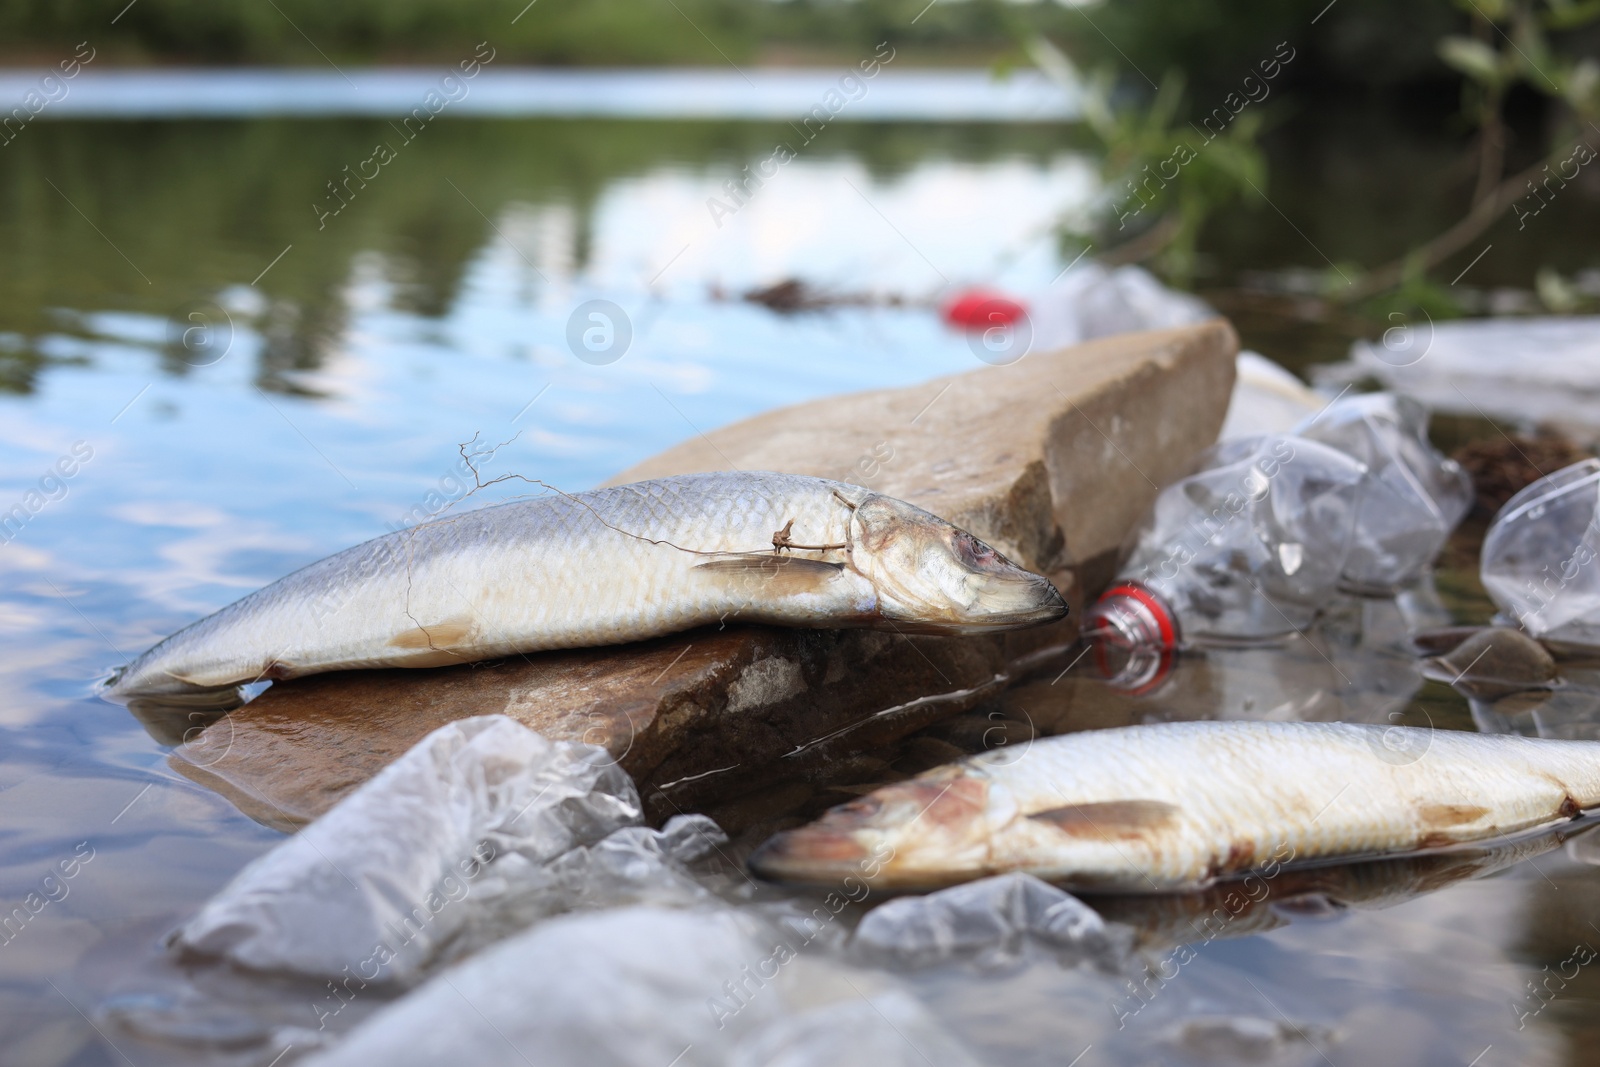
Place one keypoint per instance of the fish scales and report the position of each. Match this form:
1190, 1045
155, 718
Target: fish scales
1181, 805
597, 568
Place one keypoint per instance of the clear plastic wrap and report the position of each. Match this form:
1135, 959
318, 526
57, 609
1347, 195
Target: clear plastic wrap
883, 1029
1413, 496
1539, 557
987, 919
429, 846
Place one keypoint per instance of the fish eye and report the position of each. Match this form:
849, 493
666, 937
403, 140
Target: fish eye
974, 553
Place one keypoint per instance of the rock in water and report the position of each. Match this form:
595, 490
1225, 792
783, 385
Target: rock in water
1051, 459
1494, 662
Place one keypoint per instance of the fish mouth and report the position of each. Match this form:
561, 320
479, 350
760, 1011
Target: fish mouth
998, 602
819, 857
865, 842
810, 856
1018, 599
996, 594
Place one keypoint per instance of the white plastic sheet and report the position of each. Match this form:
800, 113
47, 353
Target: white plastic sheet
649, 986
1266, 399
1530, 370
381, 883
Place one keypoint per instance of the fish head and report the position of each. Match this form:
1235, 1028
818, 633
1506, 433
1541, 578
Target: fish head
933, 577
934, 829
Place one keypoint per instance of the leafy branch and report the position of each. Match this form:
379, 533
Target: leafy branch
1155, 210
1165, 177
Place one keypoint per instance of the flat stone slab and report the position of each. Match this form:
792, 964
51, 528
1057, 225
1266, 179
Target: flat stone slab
694, 718
1051, 460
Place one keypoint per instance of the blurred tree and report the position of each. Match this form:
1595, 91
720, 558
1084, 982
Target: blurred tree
1510, 44
1491, 49
1165, 175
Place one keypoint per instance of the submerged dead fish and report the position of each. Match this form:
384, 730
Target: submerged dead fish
1182, 805
604, 567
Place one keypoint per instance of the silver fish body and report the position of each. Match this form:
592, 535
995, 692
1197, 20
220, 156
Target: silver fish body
603, 567
1180, 806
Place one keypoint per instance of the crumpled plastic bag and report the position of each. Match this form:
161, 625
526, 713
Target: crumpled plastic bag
1538, 562
1090, 301
1525, 369
387, 878
1414, 494
227, 1008
1266, 398
633, 865
646, 985
991, 920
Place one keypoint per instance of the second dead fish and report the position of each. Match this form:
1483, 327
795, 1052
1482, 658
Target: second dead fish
1180, 806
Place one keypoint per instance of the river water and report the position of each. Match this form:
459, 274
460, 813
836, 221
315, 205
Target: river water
245, 371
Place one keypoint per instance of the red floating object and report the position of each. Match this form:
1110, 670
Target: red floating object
980, 309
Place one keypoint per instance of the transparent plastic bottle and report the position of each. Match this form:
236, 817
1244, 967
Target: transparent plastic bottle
1541, 556
1271, 528
1413, 497
1247, 548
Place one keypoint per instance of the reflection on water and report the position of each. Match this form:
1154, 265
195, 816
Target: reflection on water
243, 388
1355, 664
906, 95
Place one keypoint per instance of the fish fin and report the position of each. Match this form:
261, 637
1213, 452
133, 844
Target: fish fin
770, 573
196, 680
1441, 816
1110, 818
444, 634
272, 670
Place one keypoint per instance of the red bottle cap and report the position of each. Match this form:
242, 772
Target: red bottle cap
1135, 637
979, 309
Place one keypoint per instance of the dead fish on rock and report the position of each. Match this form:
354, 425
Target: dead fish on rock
1179, 806
1494, 662
604, 567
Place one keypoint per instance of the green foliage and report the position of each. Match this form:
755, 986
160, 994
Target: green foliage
1166, 176
1491, 47
554, 32
1514, 45
1217, 42
1417, 293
